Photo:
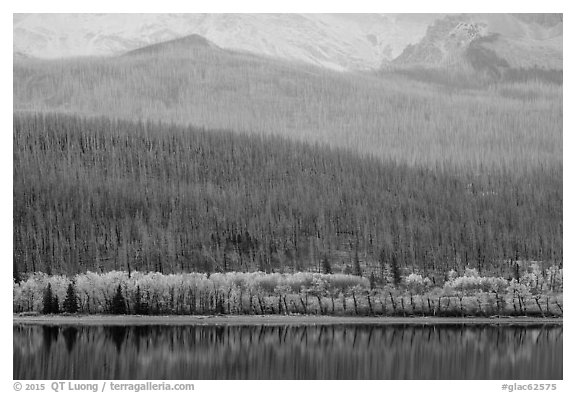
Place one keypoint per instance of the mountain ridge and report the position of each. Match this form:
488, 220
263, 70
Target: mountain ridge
192, 41
382, 115
342, 42
487, 43
335, 41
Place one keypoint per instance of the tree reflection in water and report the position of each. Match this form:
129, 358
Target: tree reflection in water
70, 333
288, 352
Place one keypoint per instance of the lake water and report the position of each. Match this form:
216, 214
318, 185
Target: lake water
288, 352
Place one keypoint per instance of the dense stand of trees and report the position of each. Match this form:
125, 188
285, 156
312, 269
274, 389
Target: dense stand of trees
536, 292
455, 79
459, 118
100, 194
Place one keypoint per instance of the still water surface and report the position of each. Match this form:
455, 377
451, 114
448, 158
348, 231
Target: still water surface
288, 352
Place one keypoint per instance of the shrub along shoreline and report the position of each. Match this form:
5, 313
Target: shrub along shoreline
536, 293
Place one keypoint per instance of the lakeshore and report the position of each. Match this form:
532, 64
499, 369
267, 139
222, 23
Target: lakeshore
267, 320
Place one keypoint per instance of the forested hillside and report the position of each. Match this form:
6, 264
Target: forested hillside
511, 124
101, 194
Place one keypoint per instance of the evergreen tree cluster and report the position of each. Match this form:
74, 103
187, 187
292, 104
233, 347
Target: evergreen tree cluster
100, 194
51, 303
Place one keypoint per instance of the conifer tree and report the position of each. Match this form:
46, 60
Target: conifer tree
118, 302
55, 305
71, 301
48, 300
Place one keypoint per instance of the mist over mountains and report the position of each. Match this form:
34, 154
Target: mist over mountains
343, 42
190, 80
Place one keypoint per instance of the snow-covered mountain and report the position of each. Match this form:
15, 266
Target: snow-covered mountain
336, 41
489, 41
